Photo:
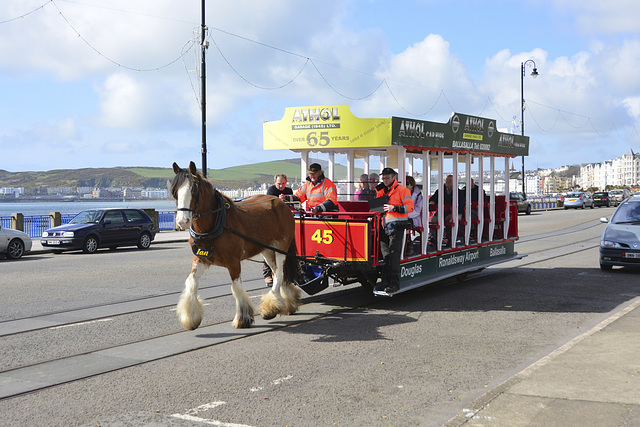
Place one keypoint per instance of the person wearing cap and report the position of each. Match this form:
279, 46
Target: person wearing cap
318, 191
279, 187
395, 222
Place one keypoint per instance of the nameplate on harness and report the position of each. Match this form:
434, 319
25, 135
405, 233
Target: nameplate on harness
202, 252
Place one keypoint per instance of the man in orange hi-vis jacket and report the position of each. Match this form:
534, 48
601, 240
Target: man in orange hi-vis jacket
395, 222
319, 192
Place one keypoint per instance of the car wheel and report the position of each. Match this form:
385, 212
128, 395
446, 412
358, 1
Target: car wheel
605, 267
528, 211
582, 207
15, 249
90, 245
591, 207
566, 207
144, 241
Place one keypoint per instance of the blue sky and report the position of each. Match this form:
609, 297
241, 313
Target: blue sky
97, 83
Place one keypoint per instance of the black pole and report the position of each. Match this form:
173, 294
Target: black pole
203, 95
524, 191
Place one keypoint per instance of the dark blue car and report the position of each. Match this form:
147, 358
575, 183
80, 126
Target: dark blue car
102, 228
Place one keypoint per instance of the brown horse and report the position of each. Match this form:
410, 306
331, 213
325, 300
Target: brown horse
224, 233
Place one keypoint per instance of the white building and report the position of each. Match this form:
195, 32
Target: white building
622, 171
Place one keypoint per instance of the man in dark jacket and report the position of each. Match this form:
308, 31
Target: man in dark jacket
279, 187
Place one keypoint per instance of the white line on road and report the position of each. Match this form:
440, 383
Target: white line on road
191, 415
81, 323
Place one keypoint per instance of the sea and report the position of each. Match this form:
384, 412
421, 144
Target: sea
73, 207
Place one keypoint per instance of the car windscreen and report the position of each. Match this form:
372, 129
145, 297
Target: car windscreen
600, 195
573, 195
87, 217
627, 213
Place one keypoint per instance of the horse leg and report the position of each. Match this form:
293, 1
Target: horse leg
288, 289
244, 308
190, 306
283, 298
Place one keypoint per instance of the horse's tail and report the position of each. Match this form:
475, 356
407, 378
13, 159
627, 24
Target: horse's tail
291, 265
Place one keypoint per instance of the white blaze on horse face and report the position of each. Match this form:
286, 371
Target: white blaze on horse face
183, 218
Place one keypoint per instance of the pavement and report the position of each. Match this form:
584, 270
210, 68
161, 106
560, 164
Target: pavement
593, 380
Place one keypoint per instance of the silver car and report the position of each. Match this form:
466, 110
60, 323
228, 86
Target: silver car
618, 195
14, 243
578, 200
620, 243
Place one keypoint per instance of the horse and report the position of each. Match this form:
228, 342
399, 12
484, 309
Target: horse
223, 233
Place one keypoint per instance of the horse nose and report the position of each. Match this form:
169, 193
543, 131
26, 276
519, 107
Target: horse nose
183, 220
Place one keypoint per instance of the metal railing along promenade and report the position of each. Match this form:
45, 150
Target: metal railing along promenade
34, 225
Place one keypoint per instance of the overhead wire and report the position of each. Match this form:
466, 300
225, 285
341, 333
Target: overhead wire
384, 81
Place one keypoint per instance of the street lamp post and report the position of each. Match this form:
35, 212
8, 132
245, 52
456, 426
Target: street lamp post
534, 74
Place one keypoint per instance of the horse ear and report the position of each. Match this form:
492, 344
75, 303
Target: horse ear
192, 168
176, 168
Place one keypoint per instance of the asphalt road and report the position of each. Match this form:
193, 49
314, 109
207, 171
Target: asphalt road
352, 360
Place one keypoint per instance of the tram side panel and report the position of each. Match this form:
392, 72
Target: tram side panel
340, 239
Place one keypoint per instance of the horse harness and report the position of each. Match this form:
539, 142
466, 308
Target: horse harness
202, 246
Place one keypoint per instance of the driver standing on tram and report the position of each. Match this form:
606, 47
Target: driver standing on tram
320, 192
395, 221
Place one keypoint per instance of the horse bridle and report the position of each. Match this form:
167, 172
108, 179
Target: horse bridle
195, 193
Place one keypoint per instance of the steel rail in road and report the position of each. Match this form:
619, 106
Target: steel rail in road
73, 367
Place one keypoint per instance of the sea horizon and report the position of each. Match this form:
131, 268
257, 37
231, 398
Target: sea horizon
40, 207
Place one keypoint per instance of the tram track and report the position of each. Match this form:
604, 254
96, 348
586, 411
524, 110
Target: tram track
53, 371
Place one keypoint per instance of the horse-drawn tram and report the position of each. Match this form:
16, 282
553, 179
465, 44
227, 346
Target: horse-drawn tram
467, 232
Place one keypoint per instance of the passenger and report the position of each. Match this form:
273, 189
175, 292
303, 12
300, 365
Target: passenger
364, 192
416, 216
374, 180
448, 200
462, 199
416, 195
395, 222
279, 187
319, 192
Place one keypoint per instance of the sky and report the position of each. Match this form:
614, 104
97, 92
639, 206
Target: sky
105, 83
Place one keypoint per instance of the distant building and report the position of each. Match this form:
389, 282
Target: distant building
12, 191
623, 171
155, 193
132, 193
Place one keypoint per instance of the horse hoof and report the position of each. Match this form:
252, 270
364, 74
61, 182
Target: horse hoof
242, 323
269, 316
191, 326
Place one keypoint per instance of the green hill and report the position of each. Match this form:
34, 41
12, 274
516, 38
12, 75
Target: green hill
244, 176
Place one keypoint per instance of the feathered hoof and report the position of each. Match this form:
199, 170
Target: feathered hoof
292, 300
190, 312
270, 306
190, 324
242, 322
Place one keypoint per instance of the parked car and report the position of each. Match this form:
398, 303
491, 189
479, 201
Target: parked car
601, 199
620, 242
523, 203
578, 200
14, 243
618, 195
100, 228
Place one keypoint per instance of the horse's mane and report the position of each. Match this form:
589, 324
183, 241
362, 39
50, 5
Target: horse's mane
205, 184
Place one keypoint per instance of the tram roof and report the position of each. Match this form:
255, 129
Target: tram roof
334, 127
